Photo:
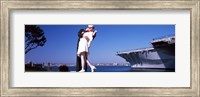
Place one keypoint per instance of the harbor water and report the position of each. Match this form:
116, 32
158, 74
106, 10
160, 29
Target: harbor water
113, 69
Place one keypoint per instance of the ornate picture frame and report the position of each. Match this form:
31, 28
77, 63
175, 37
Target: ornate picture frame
7, 6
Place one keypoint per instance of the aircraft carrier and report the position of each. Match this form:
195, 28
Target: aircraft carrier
160, 56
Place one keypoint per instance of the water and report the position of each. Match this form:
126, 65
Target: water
99, 68
113, 69
109, 69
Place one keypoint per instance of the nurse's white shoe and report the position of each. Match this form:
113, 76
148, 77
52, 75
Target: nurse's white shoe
82, 70
92, 68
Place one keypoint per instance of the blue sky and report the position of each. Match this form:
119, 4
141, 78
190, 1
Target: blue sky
62, 42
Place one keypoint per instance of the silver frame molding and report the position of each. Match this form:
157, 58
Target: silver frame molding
8, 5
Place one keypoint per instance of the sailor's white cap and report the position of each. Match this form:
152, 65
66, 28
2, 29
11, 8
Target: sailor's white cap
90, 26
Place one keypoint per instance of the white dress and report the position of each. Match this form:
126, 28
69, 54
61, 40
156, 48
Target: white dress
84, 43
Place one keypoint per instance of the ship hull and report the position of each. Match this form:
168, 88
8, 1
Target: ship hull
149, 59
160, 56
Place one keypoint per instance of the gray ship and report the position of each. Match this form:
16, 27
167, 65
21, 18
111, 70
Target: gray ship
160, 56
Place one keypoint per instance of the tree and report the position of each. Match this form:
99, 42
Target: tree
34, 37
